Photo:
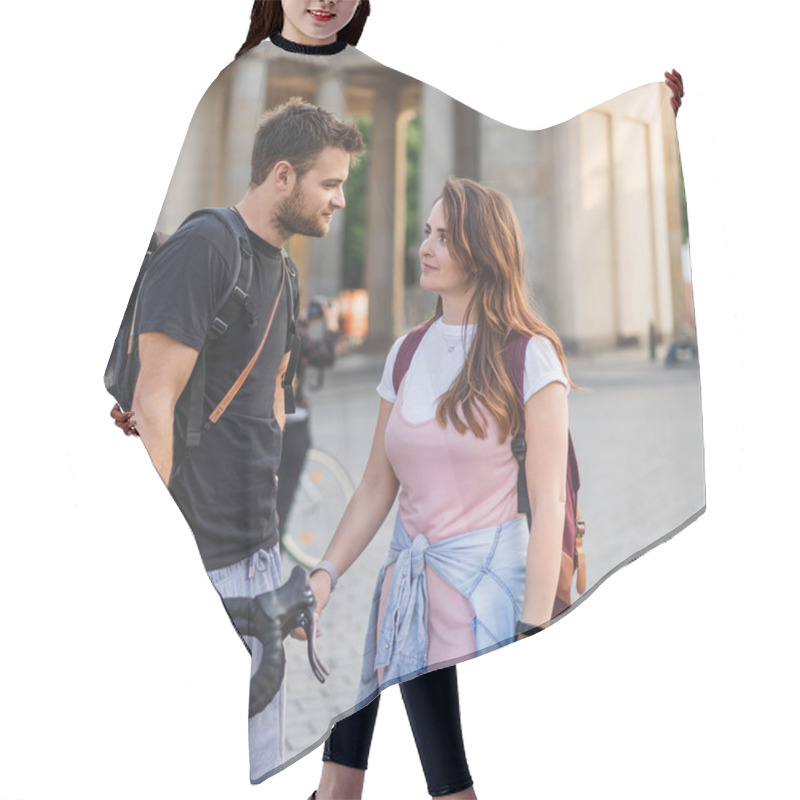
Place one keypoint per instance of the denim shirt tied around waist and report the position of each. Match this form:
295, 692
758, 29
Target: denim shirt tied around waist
486, 566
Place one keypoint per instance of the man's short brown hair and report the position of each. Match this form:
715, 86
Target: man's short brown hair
298, 132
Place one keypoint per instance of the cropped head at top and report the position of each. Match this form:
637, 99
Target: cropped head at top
267, 19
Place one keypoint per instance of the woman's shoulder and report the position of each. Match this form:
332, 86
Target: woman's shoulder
386, 388
537, 347
396, 345
541, 347
391, 377
542, 365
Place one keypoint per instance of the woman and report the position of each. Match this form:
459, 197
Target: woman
443, 439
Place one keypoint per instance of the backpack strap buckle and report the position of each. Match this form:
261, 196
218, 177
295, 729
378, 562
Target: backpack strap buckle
219, 326
519, 447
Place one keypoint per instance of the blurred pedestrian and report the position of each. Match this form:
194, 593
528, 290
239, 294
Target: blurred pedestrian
318, 329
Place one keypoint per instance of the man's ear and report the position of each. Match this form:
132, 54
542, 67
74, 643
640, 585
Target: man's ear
284, 176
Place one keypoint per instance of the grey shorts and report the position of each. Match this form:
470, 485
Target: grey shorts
250, 577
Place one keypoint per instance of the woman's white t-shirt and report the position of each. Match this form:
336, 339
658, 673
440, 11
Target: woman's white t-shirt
440, 357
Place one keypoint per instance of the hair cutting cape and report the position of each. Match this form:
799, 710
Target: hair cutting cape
600, 203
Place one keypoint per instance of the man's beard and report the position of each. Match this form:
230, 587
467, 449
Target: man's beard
294, 217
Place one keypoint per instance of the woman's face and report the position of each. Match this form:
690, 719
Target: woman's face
440, 272
316, 22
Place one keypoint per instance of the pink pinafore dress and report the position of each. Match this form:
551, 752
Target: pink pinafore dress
450, 483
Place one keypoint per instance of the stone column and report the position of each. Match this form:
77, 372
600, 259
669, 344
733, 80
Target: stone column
522, 165
400, 204
594, 263
195, 181
672, 192
438, 158
633, 217
558, 258
467, 144
247, 98
325, 255
661, 292
380, 250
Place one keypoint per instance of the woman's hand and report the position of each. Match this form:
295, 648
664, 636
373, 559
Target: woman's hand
320, 583
675, 83
124, 420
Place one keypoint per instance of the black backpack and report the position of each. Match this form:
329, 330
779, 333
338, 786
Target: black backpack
123, 364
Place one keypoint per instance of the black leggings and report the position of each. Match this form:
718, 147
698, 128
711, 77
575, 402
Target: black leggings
432, 706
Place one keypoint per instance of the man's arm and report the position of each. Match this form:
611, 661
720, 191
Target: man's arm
165, 366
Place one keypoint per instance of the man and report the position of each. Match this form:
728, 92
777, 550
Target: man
226, 486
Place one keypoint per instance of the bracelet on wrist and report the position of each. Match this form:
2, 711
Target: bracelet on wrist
330, 568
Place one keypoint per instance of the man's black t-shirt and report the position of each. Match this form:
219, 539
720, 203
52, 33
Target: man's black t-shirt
226, 487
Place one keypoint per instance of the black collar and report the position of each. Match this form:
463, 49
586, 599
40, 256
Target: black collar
309, 49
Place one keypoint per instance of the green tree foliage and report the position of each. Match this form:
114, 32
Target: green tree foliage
413, 219
355, 218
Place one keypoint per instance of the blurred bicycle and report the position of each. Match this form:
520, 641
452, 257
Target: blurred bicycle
321, 496
313, 488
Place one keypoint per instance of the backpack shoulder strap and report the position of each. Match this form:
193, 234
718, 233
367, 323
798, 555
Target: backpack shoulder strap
514, 355
233, 391
235, 297
230, 307
292, 337
293, 297
406, 352
516, 347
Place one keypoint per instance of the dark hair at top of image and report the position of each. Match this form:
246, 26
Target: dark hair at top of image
266, 19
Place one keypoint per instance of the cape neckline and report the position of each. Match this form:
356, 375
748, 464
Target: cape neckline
308, 49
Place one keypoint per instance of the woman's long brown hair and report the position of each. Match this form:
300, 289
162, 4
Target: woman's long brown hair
484, 237
266, 19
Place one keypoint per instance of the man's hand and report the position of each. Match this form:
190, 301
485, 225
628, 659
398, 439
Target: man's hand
124, 420
675, 83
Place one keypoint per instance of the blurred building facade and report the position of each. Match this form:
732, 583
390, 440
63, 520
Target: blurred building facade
598, 197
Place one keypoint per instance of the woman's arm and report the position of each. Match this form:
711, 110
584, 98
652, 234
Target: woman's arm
546, 435
364, 514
